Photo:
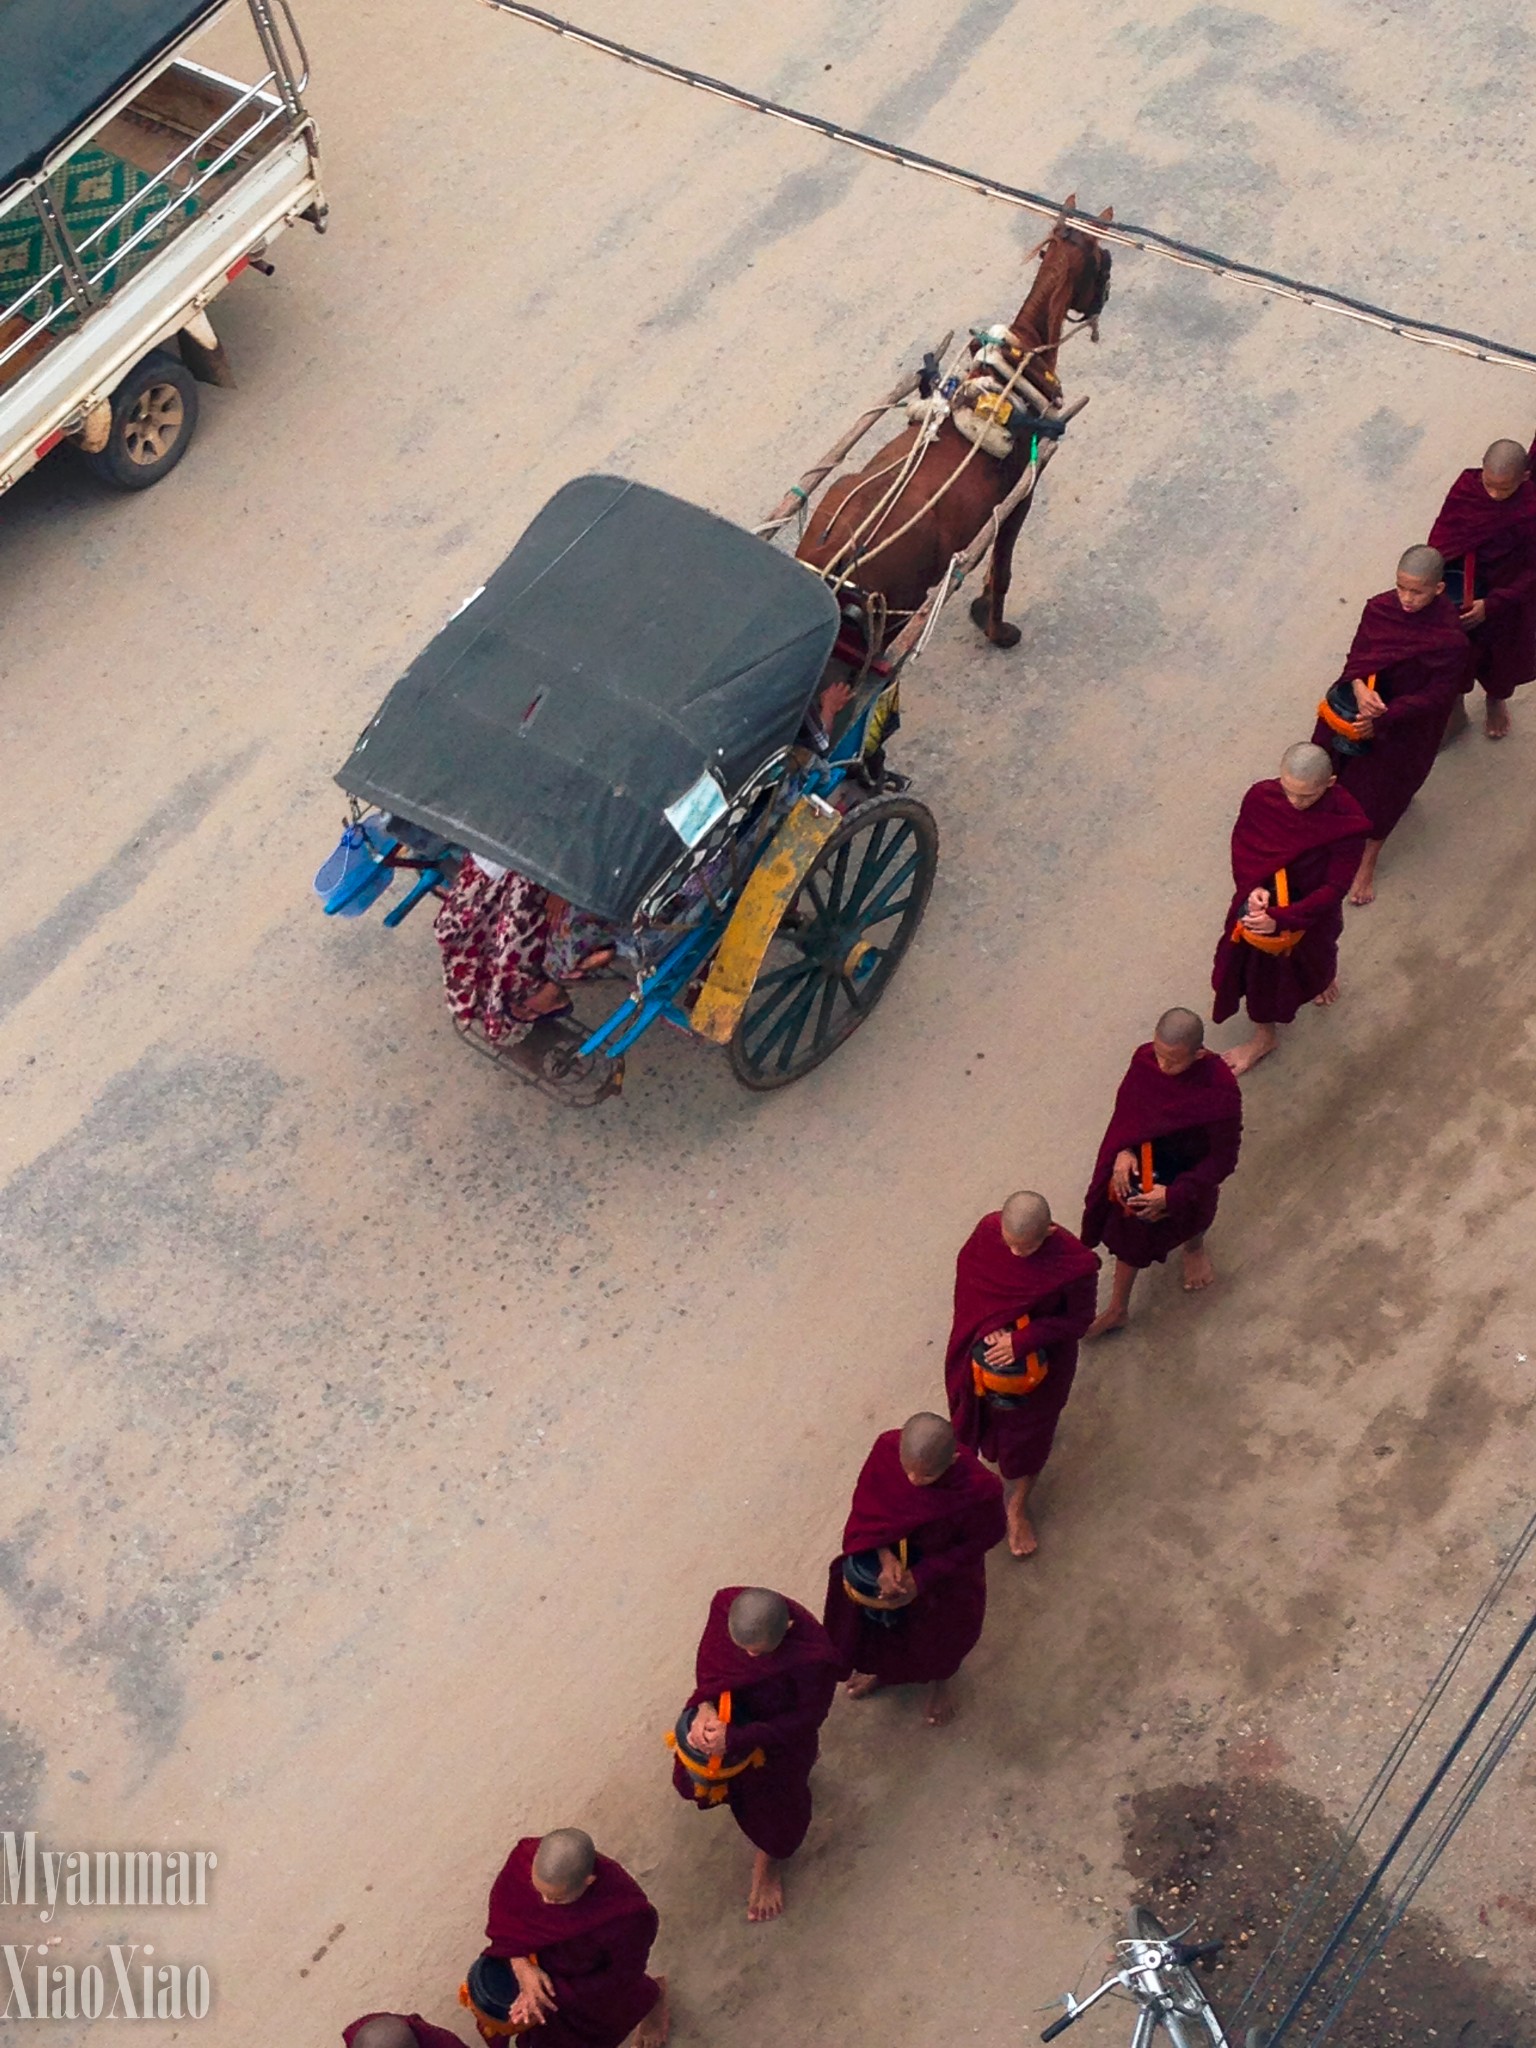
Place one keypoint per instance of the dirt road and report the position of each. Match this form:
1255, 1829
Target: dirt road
376, 1435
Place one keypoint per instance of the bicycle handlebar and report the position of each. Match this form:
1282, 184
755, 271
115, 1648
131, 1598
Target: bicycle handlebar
1196, 1952
1058, 2026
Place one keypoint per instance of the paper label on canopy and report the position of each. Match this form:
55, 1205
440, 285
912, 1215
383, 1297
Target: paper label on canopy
696, 809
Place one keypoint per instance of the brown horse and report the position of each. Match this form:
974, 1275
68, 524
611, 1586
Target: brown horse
898, 551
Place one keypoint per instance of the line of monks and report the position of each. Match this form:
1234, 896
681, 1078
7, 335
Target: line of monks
569, 1933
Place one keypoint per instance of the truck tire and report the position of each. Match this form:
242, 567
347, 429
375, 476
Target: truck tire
154, 416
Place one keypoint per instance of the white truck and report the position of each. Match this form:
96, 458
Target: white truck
134, 185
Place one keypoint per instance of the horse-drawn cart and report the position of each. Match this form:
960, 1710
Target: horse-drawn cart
657, 722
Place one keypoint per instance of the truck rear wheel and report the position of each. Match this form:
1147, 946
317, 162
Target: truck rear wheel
154, 416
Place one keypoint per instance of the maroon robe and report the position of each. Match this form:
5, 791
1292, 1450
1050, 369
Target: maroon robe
1200, 1112
426, 2034
778, 1703
594, 1950
1320, 849
949, 1526
1057, 1288
1501, 539
1422, 663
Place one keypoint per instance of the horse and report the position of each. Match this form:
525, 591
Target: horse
890, 554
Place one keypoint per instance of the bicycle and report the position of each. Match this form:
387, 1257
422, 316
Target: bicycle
1156, 1974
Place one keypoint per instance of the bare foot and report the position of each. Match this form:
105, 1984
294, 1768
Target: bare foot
1329, 996
765, 1901
1198, 1271
1496, 719
1362, 889
1022, 1540
656, 2027
1111, 1319
941, 1708
861, 1685
1247, 1055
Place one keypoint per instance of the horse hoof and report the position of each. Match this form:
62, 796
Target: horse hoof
981, 611
1006, 635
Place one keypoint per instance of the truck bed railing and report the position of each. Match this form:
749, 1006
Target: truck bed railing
72, 302
88, 268
273, 112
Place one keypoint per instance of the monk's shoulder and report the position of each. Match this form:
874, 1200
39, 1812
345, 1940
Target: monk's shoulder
1345, 807
1214, 1073
981, 1481
519, 1860
616, 1888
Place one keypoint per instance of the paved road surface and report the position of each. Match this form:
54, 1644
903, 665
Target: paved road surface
378, 1433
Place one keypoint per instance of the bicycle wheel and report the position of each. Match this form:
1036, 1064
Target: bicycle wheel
1144, 1925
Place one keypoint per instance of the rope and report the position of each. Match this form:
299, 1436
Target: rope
1406, 326
955, 474
921, 441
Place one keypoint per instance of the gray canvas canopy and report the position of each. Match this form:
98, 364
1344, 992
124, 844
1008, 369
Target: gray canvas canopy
62, 59
633, 655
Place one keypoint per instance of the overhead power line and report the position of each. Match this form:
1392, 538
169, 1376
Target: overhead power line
1122, 235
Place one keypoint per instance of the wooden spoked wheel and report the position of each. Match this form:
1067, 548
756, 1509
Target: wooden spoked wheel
839, 941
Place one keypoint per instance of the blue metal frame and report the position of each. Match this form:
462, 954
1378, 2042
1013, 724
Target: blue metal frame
658, 989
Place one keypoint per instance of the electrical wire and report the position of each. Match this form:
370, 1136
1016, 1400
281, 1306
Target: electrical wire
1406, 326
1419, 1840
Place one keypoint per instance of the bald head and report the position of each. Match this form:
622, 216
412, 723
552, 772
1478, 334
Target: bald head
927, 1446
1506, 461
758, 1620
385, 2030
1181, 1029
1026, 1219
1308, 764
563, 1864
1424, 563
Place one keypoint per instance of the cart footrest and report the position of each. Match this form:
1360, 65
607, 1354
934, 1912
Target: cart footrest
550, 1059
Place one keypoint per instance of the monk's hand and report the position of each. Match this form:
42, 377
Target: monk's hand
1260, 920
535, 1999
1120, 1179
891, 1574
708, 1732
999, 1349
1151, 1205
1258, 904
1475, 614
1368, 703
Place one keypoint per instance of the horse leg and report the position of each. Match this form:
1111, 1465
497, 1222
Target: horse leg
987, 610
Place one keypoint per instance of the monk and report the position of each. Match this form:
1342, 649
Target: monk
398, 2030
931, 1511
1384, 719
1296, 848
1179, 1113
765, 1675
1487, 531
576, 1931
1025, 1293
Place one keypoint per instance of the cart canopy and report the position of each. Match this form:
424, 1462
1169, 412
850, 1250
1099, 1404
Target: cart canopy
626, 669
62, 59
